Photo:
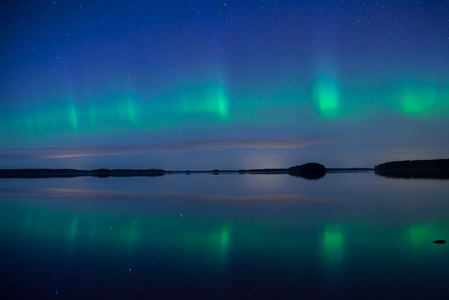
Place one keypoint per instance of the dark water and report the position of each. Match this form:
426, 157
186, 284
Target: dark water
346, 236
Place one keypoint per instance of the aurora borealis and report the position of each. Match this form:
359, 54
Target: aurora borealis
222, 84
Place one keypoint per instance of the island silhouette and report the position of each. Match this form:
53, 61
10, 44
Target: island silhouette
308, 171
432, 169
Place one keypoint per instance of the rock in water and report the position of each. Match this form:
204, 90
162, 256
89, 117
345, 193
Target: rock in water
439, 241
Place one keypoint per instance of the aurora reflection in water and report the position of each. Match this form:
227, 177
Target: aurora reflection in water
239, 236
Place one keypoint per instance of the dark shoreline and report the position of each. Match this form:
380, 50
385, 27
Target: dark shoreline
70, 173
104, 173
432, 169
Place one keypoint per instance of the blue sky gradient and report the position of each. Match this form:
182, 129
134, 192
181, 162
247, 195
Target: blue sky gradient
222, 84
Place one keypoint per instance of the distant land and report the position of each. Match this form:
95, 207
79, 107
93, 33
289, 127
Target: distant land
436, 168
433, 169
309, 171
58, 173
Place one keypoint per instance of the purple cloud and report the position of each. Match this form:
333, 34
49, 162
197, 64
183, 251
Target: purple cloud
182, 146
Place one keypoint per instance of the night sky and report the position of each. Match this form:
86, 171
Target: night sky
222, 84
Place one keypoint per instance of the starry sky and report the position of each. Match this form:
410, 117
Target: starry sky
199, 84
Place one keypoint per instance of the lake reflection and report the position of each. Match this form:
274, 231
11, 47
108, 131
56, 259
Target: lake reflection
348, 235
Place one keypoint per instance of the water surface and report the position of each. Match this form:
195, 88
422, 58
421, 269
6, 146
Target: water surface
347, 235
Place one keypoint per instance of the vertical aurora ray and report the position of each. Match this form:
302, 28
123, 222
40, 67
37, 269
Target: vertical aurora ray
127, 111
222, 104
420, 99
29, 127
208, 99
92, 116
326, 96
72, 116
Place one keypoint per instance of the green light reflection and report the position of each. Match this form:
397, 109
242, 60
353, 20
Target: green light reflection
127, 234
332, 244
421, 235
213, 244
73, 228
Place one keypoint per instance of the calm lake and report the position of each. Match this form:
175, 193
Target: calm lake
250, 236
